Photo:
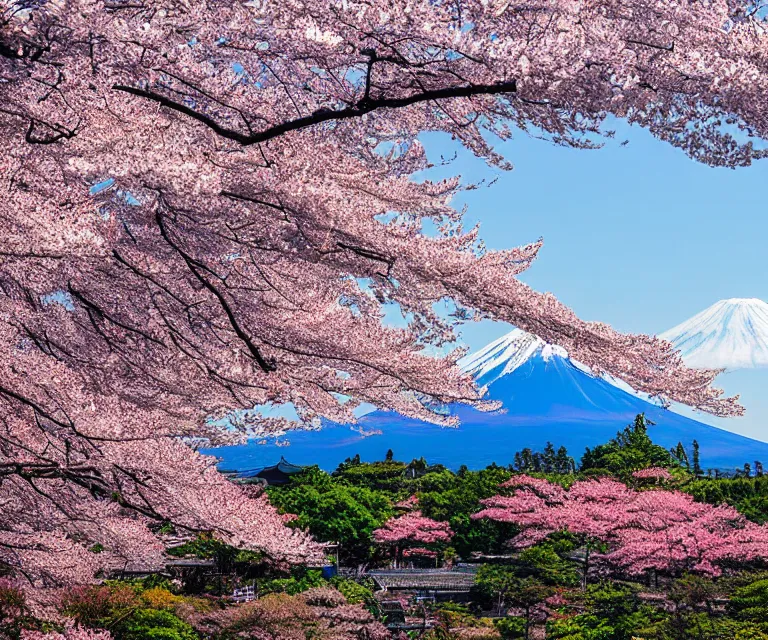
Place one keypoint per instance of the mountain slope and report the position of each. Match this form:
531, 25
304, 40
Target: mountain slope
546, 397
731, 334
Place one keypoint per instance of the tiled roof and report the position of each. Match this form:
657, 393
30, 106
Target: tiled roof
431, 580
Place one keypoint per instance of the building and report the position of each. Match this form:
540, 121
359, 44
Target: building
277, 474
437, 584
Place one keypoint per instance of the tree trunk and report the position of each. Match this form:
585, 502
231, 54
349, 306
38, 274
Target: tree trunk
586, 569
527, 622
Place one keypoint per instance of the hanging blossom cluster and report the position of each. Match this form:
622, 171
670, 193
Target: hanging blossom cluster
409, 504
653, 473
205, 208
419, 552
656, 529
412, 527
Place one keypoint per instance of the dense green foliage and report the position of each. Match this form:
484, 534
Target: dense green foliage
347, 506
606, 612
517, 594
335, 509
548, 461
748, 495
632, 449
151, 624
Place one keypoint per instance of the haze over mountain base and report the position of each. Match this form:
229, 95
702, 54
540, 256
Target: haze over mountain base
546, 397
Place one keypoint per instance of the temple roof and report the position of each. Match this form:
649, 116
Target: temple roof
426, 580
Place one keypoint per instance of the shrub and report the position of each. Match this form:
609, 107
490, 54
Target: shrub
159, 598
150, 624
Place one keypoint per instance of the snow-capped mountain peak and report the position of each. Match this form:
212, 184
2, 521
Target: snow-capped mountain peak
508, 353
550, 351
731, 334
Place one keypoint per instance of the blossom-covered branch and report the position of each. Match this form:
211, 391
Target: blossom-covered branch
205, 208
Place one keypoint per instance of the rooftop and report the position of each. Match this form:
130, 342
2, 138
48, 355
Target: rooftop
451, 580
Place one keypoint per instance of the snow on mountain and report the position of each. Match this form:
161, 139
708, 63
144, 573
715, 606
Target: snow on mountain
501, 356
546, 396
731, 334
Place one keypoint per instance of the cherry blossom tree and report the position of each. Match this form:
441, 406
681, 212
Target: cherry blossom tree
658, 474
17, 619
411, 530
69, 633
643, 530
209, 207
322, 613
408, 504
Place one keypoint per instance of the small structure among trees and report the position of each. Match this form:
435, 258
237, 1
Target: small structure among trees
278, 474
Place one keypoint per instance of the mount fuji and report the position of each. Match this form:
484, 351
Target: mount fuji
546, 396
731, 334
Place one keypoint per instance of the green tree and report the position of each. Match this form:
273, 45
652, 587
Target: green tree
564, 463
545, 564
630, 450
334, 511
454, 498
495, 584
697, 471
610, 612
689, 594
528, 593
681, 455
750, 603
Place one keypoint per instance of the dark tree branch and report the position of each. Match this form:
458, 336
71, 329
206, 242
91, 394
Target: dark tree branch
195, 266
101, 313
669, 47
59, 133
365, 105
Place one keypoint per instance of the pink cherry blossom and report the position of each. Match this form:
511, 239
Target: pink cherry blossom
71, 632
661, 530
412, 527
321, 613
653, 473
207, 207
419, 552
410, 503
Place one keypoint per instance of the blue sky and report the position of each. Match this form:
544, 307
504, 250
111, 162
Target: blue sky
638, 236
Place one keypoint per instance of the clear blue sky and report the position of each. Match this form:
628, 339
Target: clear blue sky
638, 236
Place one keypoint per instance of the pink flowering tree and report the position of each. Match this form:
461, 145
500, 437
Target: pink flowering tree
321, 613
208, 206
657, 474
408, 504
664, 531
413, 535
69, 633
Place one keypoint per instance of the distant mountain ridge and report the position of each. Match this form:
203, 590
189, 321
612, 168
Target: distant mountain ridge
731, 334
546, 397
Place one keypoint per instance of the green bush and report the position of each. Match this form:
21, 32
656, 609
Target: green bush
511, 628
151, 624
298, 583
354, 592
